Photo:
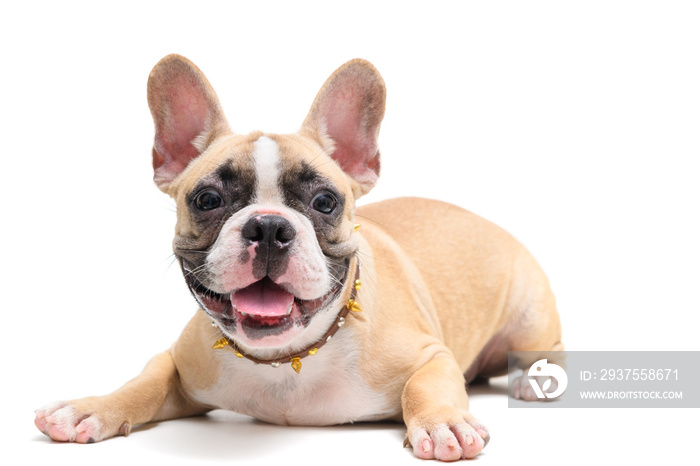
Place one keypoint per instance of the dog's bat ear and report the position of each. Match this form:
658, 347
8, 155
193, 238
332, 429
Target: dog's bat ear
186, 114
345, 118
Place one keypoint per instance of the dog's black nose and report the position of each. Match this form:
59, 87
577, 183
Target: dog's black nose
272, 233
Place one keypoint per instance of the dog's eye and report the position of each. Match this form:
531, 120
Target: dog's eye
208, 200
324, 203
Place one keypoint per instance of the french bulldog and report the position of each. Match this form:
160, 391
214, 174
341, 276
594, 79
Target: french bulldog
312, 312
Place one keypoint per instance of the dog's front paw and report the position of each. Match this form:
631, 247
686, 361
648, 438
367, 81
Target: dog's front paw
447, 435
70, 422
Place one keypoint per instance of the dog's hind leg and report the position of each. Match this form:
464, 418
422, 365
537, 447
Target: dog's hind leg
152, 396
536, 336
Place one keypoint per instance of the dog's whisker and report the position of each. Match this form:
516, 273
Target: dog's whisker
173, 259
197, 269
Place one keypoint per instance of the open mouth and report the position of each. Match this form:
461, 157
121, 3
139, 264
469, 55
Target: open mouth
263, 310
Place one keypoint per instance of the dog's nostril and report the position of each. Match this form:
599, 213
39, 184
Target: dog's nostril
285, 234
253, 230
257, 234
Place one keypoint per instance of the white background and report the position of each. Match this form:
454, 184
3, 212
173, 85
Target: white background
572, 125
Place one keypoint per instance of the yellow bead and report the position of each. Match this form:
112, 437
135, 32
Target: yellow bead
358, 284
220, 343
354, 306
357, 226
239, 354
296, 364
312, 352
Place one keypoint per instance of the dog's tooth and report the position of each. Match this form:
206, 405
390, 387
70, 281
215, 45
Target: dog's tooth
243, 314
289, 309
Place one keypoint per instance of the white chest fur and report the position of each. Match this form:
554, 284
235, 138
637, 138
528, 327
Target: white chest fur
328, 390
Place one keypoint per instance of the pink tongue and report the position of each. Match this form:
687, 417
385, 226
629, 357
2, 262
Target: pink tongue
262, 298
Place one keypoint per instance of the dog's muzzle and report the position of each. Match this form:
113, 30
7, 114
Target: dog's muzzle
273, 237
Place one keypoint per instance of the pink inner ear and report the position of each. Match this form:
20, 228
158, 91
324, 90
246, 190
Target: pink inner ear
185, 114
355, 146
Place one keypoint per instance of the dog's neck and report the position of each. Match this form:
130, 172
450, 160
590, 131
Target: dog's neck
295, 359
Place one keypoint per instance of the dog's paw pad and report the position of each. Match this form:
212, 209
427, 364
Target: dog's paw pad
64, 423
